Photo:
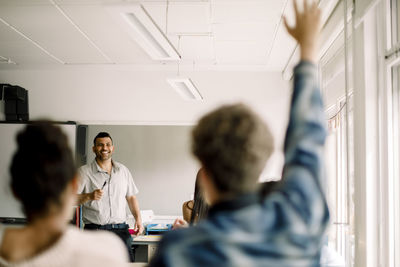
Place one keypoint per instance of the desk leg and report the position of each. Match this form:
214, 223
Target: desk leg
151, 250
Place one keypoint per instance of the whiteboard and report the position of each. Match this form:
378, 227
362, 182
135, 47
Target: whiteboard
9, 206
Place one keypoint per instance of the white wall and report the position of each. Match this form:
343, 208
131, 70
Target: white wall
121, 96
160, 161
115, 95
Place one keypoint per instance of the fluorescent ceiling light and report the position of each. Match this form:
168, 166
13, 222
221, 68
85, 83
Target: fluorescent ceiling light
148, 35
185, 88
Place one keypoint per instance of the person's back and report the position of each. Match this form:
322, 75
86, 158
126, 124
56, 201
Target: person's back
43, 179
242, 229
74, 248
245, 232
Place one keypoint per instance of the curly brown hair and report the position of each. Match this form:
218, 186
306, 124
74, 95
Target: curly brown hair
233, 144
41, 168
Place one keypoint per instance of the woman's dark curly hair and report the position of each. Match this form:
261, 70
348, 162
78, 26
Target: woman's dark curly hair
41, 167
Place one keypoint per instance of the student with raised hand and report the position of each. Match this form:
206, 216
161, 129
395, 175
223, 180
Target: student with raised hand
233, 144
44, 180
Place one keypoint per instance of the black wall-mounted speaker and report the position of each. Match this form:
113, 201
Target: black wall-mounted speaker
16, 107
14, 92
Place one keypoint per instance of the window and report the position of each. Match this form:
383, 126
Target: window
336, 81
395, 22
340, 186
392, 200
394, 184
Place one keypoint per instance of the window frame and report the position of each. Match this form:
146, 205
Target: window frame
389, 142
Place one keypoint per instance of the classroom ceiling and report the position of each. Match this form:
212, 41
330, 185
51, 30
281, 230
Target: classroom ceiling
79, 64
228, 35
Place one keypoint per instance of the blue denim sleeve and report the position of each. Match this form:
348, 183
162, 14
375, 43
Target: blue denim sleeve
301, 189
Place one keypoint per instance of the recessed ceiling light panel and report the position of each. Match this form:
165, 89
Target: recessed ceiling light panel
142, 28
185, 88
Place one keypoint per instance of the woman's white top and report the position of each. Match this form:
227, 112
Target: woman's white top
77, 248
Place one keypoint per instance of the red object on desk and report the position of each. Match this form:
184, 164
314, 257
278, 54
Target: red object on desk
133, 231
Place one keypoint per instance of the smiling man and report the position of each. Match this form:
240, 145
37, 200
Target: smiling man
106, 186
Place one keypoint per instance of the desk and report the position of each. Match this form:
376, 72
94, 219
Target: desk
145, 246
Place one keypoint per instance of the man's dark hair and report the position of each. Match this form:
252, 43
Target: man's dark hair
102, 135
41, 168
233, 144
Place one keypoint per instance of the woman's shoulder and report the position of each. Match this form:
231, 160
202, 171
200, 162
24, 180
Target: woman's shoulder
78, 248
94, 237
101, 245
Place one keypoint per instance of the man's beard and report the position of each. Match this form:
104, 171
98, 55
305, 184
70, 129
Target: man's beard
102, 156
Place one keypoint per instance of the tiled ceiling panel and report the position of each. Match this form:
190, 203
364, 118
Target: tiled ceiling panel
281, 50
157, 11
229, 52
246, 11
24, 2
188, 18
244, 31
283, 46
216, 33
85, 2
198, 48
105, 32
19, 50
51, 30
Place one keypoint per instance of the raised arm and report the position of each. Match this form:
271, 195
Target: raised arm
302, 195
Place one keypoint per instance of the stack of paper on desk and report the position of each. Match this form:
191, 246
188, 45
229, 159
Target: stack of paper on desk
159, 227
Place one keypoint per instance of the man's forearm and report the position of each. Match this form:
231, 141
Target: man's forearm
134, 207
136, 211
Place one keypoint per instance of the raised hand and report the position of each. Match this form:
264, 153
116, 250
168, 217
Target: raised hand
306, 30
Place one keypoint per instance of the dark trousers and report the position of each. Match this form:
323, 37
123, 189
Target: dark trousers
121, 231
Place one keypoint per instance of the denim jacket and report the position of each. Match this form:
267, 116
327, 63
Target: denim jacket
283, 229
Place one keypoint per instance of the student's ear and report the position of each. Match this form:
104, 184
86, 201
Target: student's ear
93, 149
